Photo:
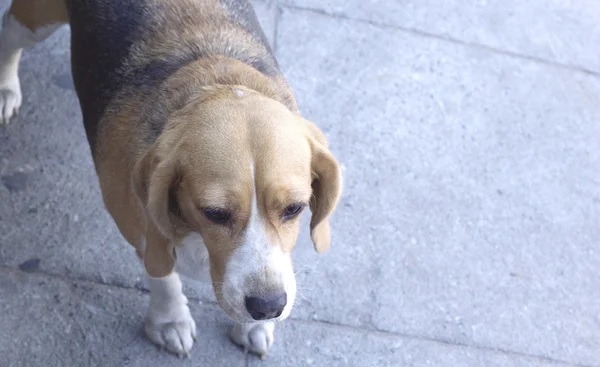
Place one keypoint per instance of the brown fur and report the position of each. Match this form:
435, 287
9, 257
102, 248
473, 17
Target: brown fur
38, 13
223, 117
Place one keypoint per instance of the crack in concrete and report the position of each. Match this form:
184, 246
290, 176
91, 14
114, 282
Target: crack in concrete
422, 33
385, 333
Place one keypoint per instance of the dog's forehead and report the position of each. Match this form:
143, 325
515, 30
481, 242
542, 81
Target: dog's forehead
247, 149
280, 153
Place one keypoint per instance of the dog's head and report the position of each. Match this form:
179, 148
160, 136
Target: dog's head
238, 168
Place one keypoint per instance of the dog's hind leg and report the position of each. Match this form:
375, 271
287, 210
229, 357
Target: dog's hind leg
26, 23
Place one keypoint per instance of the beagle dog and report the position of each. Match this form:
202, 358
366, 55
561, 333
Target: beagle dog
199, 148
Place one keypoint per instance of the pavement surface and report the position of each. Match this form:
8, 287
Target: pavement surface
469, 229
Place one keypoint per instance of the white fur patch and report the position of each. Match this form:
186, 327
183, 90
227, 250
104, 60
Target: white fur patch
258, 259
169, 322
254, 337
164, 291
192, 259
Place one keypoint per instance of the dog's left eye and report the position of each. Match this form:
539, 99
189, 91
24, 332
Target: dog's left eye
217, 215
292, 211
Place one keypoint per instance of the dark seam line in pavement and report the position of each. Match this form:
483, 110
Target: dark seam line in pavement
443, 341
210, 304
67, 278
64, 278
446, 39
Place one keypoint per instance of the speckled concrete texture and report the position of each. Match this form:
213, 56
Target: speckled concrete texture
468, 233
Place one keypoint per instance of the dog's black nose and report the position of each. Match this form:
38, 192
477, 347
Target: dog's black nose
267, 306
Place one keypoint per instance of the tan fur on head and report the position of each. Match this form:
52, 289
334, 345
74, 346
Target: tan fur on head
186, 149
180, 151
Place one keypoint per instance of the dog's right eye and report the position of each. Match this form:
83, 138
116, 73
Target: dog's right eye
217, 215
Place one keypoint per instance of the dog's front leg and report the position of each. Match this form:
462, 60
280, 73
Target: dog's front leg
256, 337
169, 323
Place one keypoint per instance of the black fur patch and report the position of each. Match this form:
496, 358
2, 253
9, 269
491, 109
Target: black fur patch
103, 33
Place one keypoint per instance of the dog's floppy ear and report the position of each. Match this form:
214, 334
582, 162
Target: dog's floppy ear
326, 188
153, 178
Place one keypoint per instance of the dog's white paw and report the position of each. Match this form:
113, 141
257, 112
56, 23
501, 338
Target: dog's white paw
255, 338
175, 331
10, 98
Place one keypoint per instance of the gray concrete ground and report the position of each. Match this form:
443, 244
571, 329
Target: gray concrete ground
469, 133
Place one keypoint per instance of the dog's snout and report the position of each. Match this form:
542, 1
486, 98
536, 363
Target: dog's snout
265, 307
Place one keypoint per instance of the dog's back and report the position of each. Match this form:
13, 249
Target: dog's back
124, 47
